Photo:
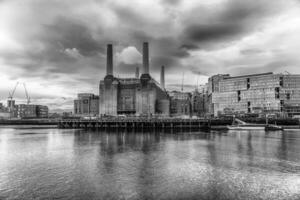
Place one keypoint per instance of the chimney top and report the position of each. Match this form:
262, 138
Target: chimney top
109, 60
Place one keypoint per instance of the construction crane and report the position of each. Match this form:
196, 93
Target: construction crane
11, 96
10, 103
26, 93
182, 80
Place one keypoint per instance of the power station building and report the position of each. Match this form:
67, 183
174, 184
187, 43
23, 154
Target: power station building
140, 96
86, 104
257, 93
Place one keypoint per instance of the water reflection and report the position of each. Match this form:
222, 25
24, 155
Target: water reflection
77, 164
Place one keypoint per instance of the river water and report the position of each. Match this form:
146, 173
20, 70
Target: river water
77, 164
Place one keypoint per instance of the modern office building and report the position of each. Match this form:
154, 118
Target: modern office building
27, 111
132, 96
31, 111
86, 104
265, 93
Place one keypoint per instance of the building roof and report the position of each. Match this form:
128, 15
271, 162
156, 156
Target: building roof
249, 75
130, 81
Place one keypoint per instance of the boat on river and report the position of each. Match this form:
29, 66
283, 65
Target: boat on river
272, 127
246, 127
241, 125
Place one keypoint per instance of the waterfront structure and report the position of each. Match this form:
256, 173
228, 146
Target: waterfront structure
4, 115
132, 96
12, 108
265, 93
156, 124
180, 104
86, 104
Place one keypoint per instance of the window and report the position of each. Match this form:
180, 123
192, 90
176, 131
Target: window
281, 81
281, 105
277, 93
248, 83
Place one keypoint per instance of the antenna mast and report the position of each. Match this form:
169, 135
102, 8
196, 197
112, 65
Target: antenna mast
182, 80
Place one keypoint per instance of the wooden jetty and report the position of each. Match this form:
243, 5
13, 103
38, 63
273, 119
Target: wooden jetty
139, 124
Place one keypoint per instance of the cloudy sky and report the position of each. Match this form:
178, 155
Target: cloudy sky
58, 47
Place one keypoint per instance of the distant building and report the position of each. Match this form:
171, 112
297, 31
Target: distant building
31, 111
42, 111
12, 108
27, 111
256, 93
11, 103
132, 96
67, 114
199, 103
4, 114
86, 104
180, 103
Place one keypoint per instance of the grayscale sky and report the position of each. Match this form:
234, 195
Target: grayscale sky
58, 47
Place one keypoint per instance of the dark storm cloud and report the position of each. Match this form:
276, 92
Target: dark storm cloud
234, 20
208, 32
71, 34
168, 62
66, 46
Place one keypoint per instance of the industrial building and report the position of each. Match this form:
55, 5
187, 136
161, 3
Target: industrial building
199, 103
86, 104
265, 93
141, 96
180, 104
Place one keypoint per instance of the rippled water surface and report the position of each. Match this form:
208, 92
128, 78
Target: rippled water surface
76, 164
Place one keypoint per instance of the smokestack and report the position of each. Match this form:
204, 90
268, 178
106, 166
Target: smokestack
137, 72
145, 58
109, 60
162, 77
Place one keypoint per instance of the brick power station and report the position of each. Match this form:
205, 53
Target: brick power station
132, 96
